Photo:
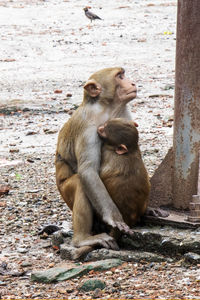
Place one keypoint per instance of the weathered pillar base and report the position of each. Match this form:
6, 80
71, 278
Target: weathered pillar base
162, 189
194, 209
161, 183
195, 204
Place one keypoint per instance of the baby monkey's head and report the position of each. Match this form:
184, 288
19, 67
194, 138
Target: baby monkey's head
120, 134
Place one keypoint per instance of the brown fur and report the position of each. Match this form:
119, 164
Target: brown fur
125, 176
78, 156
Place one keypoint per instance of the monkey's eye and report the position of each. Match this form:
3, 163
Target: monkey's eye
121, 75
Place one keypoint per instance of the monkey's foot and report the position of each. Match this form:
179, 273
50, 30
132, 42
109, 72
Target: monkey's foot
81, 253
103, 240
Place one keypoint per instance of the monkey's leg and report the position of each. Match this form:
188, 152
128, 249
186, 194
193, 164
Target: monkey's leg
82, 214
66, 182
70, 187
83, 223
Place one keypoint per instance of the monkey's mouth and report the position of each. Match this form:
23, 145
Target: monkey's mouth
133, 91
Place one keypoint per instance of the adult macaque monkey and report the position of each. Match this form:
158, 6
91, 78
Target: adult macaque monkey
125, 176
78, 156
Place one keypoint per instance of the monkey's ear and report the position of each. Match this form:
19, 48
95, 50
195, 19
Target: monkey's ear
93, 88
121, 149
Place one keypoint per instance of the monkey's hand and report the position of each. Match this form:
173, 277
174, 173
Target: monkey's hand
115, 220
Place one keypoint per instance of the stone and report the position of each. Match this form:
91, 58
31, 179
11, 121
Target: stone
67, 252
63, 273
152, 244
61, 237
22, 250
26, 264
92, 284
168, 87
97, 294
192, 258
168, 241
57, 238
109, 273
126, 255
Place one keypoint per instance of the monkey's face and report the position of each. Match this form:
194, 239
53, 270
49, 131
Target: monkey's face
117, 132
110, 86
125, 88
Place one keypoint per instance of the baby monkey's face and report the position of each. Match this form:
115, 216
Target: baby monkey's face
119, 133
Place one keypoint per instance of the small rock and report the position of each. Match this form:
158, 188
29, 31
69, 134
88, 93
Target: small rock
97, 294
70, 290
44, 236
22, 250
49, 131
57, 238
28, 220
155, 96
70, 112
14, 150
142, 40
33, 191
62, 291
116, 284
51, 265
117, 271
120, 278
93, 284
4, 189
108, 273
4, 265
30, 160
3, 204
31, 132
168, 87
68, 95
8, 60
192, 257
25, 264
46, 245
49, 229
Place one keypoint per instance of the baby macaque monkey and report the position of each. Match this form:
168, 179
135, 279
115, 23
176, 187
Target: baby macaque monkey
122, 169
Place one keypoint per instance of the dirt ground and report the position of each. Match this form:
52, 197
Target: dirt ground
48, 50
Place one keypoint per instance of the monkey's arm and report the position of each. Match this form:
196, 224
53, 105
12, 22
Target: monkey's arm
88, 169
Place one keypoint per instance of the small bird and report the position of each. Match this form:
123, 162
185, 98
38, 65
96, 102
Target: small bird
90, 15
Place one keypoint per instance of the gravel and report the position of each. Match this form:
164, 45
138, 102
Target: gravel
48, 50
